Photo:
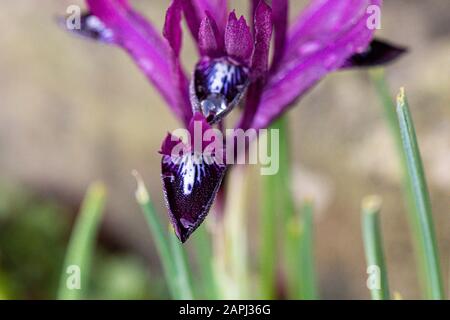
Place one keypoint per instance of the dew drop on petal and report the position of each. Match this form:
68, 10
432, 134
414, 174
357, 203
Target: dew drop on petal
219, 85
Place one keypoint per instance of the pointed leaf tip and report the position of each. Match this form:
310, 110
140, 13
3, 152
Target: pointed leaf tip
401, 97
141, 193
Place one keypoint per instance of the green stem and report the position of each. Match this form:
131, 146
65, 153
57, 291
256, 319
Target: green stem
422, 215
376, 266
268, 258
279, 205
181, 266
75, 273
307, 276
204, 251
286, 204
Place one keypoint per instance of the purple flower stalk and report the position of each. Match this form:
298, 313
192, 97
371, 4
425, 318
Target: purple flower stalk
234, 69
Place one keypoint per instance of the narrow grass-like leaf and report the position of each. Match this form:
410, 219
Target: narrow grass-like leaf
75, 274
424, 230
203, 247
373, 246
280, 215
182, 273
387, 102
389, 107
159, 236
307, 276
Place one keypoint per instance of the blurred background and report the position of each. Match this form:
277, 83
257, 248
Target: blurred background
73, 111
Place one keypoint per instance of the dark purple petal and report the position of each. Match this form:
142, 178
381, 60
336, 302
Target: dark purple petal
238, 39
280, 11
217, 86
144, 44
377, 53
209, 40
199, 122
190, 187
190, 179
327, 34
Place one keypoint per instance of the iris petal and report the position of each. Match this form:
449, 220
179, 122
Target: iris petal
195, 11
217, 87
190, 187
238, 39
191, 178
327, 34
260, 61
210, 41
280, 10
115, 21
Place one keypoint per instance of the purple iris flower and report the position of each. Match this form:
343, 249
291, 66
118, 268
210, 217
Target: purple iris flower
235, 68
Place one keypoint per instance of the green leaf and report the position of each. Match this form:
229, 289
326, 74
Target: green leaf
159, 235
421, 215
376, 266
76, 270
169, 250
268, 231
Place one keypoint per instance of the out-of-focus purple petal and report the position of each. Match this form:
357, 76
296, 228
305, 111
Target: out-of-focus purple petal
190, 180
217, 8
378, 53
174, 34
238, 39
195, 12
209, 40
172, 26
326, 20
253, 5
144, 44
193, 17
280, 12
260, 61
324, 37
